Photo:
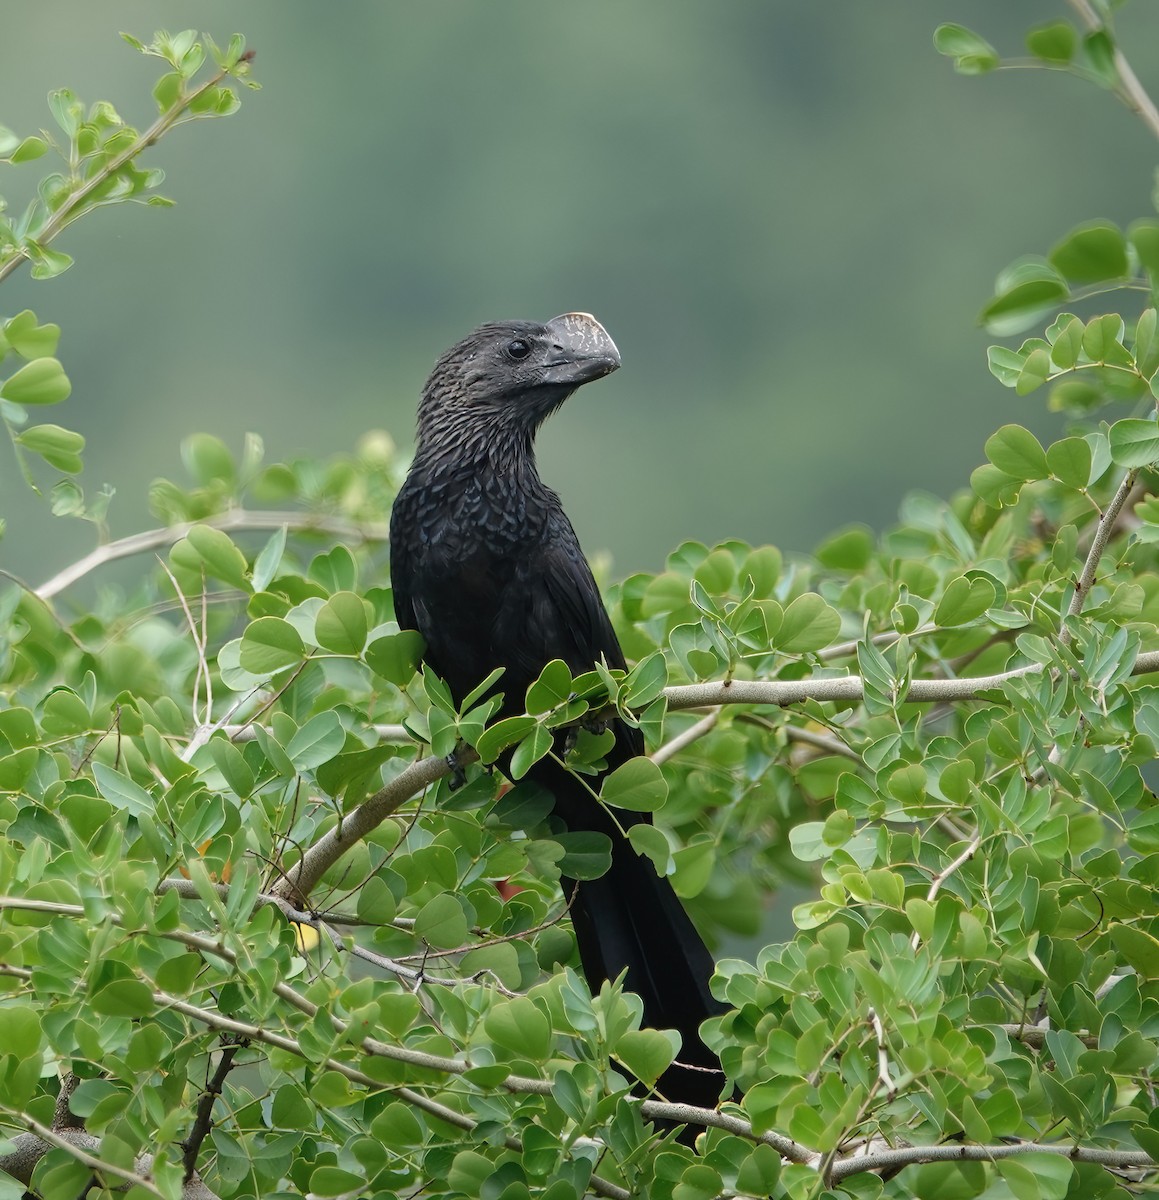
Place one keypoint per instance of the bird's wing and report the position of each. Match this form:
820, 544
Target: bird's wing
553, 609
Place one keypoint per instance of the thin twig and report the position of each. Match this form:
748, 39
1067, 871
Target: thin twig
1132, 92
236, 520
821, 741
686, 737
883, 1076
70, 209
384, 733
1103, 532
944, 874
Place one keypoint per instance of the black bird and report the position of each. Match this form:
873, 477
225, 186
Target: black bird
486, 566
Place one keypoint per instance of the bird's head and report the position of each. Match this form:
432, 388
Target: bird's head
512, 374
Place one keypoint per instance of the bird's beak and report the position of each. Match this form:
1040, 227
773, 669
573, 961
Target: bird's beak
580, 350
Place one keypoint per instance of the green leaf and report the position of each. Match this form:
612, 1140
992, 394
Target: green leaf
972, 54
1069, 461
1027, 291
1146, 347
441, 922
120, 791
1138, 948
222, 559
29, 149
233, 767
1036, 1176
270, 644
1135, 442
694, 867
638, 786
1103, 341
341, 625
993, 486
1035, 372
809, 624
586, 854
41, 381
334, 1181
647, 1053
123, 998
1091, 253
1066, 341
1099, 52
551, 689
16, 768
1005, 364
29, 339
848, 550
208, 460
1053, 43
502, 734
1144, 236
60, 448
645, 681
519, 1026
530, 750
46, 263
1016, 452
396, 656
317, 742
65, 714
964, 600
267, 562
652, 843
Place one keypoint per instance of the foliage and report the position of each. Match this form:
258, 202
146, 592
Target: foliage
211, 802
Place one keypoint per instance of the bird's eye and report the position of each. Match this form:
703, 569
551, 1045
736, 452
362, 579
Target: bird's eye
519, 348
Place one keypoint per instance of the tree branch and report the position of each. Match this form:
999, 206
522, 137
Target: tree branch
879, 1158
236, 520
301, 878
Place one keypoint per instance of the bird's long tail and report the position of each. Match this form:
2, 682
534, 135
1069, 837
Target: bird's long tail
631, 919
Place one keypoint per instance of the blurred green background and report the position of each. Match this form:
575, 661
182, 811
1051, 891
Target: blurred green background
787, 215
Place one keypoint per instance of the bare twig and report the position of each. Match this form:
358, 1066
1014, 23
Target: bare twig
1103, 532
944, 874
821, 741
301, 878
236, 520
1132, 92
883, 1076
685, 737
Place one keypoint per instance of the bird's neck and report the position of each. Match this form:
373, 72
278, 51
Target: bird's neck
482, 448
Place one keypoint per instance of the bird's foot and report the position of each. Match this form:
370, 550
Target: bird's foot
458, 774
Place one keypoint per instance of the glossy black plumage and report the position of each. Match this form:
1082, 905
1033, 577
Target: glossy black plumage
486, 566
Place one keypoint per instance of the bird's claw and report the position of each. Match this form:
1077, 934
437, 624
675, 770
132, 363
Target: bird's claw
458, 775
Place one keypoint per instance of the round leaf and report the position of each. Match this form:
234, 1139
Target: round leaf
341, 624
809, 624
638, 786
41, 381
270, 644
1017, 452
1135, 442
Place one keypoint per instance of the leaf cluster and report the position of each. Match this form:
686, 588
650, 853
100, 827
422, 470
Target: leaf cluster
224, 783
